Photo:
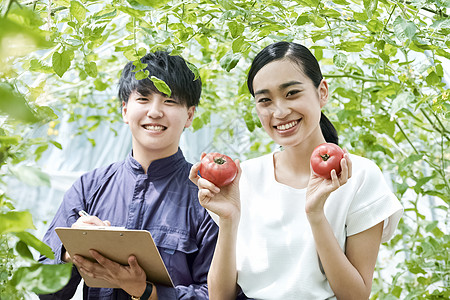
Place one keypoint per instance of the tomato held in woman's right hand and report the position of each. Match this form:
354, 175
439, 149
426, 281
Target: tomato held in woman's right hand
326, 157
218, 168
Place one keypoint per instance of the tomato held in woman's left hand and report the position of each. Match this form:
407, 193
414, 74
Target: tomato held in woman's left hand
326, 157
218, 168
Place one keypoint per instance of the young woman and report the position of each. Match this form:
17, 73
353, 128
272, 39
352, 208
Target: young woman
284, 232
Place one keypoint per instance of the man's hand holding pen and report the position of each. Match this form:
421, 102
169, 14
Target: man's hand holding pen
84, 220
87, 220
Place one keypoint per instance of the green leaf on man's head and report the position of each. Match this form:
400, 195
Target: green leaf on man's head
161, 86
194, 70
141, 74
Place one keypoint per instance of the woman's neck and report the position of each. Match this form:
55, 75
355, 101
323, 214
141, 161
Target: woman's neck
292, 164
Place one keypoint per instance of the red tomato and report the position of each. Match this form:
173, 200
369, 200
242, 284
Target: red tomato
218, 168
326, 157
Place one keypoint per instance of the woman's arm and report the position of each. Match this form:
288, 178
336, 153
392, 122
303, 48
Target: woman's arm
224, 202
222, 276
349, 274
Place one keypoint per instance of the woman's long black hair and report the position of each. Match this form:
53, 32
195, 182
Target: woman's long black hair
309, 66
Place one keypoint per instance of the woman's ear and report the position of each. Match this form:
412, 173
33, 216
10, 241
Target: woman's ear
323, 93
124, 112
191, 111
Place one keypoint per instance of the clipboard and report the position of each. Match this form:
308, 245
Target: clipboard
117, 245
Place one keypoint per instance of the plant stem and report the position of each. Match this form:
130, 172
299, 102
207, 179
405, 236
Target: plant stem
356, 77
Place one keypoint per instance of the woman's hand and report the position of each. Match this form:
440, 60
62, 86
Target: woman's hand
132, 278
224, 201
319, 188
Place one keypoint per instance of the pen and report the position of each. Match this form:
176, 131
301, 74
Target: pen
83, 213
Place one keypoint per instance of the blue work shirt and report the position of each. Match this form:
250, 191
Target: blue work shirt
164, 201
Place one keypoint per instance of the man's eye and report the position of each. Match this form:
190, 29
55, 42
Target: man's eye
263, 100
171, 101
142, 99
293, 92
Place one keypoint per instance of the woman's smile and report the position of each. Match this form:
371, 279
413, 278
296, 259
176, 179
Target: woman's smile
287, 128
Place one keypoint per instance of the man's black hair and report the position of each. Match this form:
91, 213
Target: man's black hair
173, 70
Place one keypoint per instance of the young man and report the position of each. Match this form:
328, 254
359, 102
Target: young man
149, 190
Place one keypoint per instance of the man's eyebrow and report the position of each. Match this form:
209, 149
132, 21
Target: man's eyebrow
261, 92
281, 87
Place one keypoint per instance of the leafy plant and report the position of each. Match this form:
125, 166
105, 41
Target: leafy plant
384, 60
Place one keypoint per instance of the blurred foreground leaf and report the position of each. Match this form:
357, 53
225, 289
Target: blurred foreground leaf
42, 279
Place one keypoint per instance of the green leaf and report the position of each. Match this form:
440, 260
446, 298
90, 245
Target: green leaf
14, 105
420, 183
31, 175
352, 46
161, 86
23, 250
131, 11
78, 11
147, 3
441, 24
403, 29
360, 16
142, 74
375, 26
56, 144
227, 4
15, 221
61, 62
340, 60
100, 85
194, 70
433, 78
91, 69
317, 20
37, 244
401, 101
230, 60
42, 279
18, 40
370, 7
302, 20
197, 123
248, 118
236, 29
237, 44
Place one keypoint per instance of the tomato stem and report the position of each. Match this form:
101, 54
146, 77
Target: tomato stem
325, 157
220, 160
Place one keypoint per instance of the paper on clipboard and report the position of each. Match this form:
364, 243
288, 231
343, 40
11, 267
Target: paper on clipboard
117, 245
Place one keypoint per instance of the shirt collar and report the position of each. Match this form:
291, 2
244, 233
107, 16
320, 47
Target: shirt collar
158, 168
